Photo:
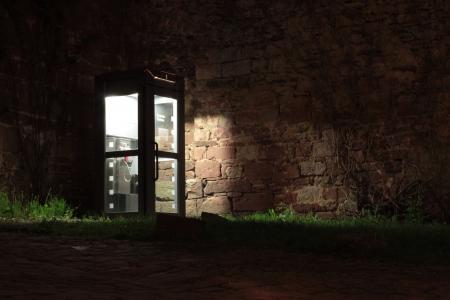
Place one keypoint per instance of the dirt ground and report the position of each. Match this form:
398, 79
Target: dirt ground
37, 267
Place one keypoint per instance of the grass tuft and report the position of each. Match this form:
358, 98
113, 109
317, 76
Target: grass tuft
352, 237
139, 228
51, 208
371, 237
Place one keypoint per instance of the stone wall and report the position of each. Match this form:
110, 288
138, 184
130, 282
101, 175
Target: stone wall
323, 107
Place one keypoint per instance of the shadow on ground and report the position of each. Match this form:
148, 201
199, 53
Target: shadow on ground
41, 267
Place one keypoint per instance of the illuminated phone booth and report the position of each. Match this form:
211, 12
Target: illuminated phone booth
141, 141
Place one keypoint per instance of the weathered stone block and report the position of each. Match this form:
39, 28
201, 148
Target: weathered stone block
207, 169
221, 153
206, 121
303, 149
189, 165
253, 202
193, 207
308, 168
280, 64
188, 125
199, 153
234, 194
245, 118
249, 152
305, 208
194, 188
285, 199
259, 98
358, 156
201, 135
190, 175
222, 133
224, 54
236, 68
228, 185
330, 193
347, 201
291, 172
233, 171
292, 110
257, 170
205, 143
258, 186
8, 139
323, 149
260, 65
315, 198
393, 166
225, 120
216, 205
326, 215
272, 152
309, 194
323, 180
204, 72
188, 137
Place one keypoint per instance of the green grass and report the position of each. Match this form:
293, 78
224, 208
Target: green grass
55, 217
371, 237
51, 208
350, 237
139, 228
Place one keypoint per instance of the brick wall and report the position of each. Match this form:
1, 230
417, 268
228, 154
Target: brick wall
324, 107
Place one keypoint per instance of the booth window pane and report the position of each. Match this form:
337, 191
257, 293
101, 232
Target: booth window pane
121, 122
166, 186
121, 184
166, 123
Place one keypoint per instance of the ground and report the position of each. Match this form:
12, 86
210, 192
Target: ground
39, 267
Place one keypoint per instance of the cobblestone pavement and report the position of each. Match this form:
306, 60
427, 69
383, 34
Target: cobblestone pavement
36, 267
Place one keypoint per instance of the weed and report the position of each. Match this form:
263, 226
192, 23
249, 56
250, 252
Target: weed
371, 236
52, 208
10, 208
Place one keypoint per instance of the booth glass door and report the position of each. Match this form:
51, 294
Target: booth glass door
121, 152
142, 141
168, 159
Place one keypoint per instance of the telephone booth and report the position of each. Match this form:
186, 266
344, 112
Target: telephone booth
141, 142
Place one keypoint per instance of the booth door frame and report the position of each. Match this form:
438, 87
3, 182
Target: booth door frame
129, 82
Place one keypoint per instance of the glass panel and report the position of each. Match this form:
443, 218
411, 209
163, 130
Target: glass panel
166, 187
121, 122
121, 184
166, 123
